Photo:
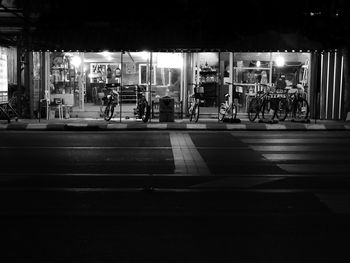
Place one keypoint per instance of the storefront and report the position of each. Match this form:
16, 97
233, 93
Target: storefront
3, 75
78, 79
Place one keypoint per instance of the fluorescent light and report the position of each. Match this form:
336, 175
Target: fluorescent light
145, 55
169, 60
280, 61
76, 61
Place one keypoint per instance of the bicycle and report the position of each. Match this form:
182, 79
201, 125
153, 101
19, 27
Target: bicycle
264, 103
7, 110
256, 104
227, 108
193, 107
295, 104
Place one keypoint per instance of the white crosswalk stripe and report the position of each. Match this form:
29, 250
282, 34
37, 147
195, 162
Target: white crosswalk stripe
321, 153
187, 159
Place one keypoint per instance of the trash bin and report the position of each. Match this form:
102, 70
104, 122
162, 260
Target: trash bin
166, 109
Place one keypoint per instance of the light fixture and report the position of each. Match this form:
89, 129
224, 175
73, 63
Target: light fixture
76, 61
107, 55
258, 64
280, 61
169, 60
145, 55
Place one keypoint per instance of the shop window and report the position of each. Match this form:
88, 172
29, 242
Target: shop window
3, 75
144, 74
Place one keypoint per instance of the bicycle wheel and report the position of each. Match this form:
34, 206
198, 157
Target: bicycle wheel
145, 112
234, 111
266, 110
222, 112
301, 109
108, 113
195, 113
282, 109
253, 109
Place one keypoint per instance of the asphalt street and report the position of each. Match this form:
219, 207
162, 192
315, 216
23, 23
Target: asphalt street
170, 196
175, 158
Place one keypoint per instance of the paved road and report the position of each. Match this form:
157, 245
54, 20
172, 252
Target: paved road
204, 159
169, 196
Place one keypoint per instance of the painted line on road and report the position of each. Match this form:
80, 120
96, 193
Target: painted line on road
297, 148
36, 126
315, 126
294, 134
157, 125
86, 147
315, 169
77, 125
196, 126
187, 159
275, 127
338, 203
236, 126
276, 157
115, 126
297, 141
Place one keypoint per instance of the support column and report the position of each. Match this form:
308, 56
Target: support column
19, 77
346, 85
183, 87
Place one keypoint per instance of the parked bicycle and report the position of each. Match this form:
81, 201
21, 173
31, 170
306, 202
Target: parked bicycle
267, 105
143, 109
296, 105
227, 108
193, 107
7, 109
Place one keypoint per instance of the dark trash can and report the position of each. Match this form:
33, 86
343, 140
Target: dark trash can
166, 109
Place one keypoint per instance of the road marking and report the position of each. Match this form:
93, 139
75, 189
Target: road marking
36, 126
296, 148
236, 126
117, 126
34, 147
275, 127
338, 203
196, 126
3, 126
275, 157
315, 126
77, 125
317, 169
297, 141
187, 159
157, 125
296, 134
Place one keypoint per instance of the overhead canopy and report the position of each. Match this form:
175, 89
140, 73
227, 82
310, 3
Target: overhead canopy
178, 24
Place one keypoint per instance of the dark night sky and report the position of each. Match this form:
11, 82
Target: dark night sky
252, 24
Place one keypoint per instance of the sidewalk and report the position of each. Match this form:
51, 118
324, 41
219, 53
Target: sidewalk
154, 124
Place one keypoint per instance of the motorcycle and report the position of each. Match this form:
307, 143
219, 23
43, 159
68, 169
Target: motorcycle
112, 100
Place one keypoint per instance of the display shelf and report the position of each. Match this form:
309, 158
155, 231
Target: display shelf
208, 78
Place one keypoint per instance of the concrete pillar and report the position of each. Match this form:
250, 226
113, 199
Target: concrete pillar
346, 86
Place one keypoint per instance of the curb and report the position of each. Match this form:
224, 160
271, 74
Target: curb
172, 126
